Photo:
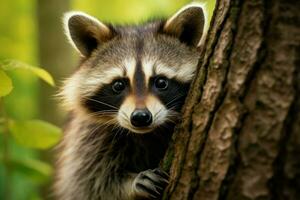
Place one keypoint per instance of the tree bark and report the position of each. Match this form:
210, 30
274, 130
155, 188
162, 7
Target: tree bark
240, 133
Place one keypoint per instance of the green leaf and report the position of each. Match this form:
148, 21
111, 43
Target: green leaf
35, 169
37, 166
41, 73
35, 133
5, 84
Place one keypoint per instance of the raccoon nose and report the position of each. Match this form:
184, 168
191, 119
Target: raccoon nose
141, 118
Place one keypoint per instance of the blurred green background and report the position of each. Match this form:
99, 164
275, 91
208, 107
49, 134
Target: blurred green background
31, 32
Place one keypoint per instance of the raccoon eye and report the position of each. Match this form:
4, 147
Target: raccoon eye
161, 83
118, 86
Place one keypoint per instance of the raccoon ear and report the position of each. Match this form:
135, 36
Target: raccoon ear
188, 24
85, 32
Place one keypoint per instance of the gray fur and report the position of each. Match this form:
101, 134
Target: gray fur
99, 159
102, 159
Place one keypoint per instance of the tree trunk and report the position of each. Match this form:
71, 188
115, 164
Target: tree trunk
54, 53
240, 134
54, 56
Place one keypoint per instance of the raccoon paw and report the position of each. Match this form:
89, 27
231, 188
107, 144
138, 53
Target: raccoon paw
150, 184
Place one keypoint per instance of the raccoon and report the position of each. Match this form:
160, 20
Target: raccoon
124, 101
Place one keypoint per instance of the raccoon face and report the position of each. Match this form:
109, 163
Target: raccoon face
135, 77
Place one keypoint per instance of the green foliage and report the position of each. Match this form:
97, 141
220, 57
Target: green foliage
35, 133
35, 169
5, 85
133, 11
41, 73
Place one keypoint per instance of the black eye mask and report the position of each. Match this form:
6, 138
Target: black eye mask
173, 96
106, 98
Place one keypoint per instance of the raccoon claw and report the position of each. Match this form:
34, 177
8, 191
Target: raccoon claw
150, 184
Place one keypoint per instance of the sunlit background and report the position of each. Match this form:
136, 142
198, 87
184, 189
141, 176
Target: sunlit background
31, 32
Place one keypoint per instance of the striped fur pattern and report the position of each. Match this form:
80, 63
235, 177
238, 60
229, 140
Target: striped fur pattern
124, 69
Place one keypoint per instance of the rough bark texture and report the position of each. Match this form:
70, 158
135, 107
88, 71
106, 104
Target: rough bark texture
240, 134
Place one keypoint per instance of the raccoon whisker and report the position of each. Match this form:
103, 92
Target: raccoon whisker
173, 116
156, 114
115, 127
100, 114
119, 130
125, 115
170, 120
97, 101
164, 126
93, 131
127, 118
106, 124
160, 110
173, 107
115, 111
127, 132
173, 112
104, 113
118, 127
111, 121
175, 99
